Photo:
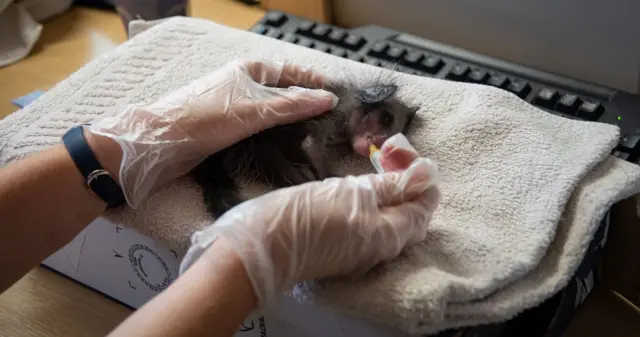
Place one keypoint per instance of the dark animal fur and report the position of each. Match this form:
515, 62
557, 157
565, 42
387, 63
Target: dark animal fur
278, 157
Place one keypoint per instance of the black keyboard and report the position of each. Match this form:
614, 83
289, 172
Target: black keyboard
407, 53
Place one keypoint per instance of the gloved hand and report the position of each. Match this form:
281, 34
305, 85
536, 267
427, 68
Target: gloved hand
168, 138
331, 227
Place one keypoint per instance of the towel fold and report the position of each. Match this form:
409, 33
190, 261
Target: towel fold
523, 190
20, 32
20, 24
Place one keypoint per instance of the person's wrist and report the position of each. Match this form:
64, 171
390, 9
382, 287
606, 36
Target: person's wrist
107, 152
222, 258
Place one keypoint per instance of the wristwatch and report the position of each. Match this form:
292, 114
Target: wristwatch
96, 177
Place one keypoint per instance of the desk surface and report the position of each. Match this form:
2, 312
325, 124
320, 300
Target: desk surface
44, 303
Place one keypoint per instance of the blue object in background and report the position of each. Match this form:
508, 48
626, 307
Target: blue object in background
28, 98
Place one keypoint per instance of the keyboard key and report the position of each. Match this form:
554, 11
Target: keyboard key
630, 142
291, 38
432, 64
395, 52
306, 43
520, 88
478, 76
372, 61
419, 73
620, 154
590, 110
458, 72
354, 42
322, 48
560, 114
568, 104
305, 27
275, 19
391, 65
337, 35
498, 81
321, 31
378, 49
408, 70
546, 98
260, 29
276, 34
413, 58
405, 70
338, 52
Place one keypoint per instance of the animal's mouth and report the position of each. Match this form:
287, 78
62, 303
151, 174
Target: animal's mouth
361, 144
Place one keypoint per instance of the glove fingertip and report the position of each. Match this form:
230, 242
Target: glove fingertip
316, 93
428, 167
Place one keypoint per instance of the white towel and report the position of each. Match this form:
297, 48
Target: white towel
523, 190
20, 32
21, 28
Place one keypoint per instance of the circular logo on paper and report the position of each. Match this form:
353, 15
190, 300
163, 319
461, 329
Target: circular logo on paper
150, 267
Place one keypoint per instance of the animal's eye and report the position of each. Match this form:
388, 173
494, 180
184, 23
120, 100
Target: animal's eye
386, 119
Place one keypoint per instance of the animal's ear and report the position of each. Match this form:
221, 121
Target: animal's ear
376, 93
413, 111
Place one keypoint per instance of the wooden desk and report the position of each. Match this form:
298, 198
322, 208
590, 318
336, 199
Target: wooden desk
44, 303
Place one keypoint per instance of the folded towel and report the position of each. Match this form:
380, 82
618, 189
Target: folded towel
20, 32
20, 24
523, 190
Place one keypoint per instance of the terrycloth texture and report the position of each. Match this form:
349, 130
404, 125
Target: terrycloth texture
509, 172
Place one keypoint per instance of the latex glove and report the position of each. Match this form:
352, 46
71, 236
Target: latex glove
168, 138
328, 228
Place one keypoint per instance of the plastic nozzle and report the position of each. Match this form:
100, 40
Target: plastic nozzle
372, 149
374, 156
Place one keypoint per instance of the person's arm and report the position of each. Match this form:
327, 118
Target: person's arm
211, 299
44, 204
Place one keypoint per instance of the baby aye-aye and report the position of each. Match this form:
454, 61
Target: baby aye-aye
279, 156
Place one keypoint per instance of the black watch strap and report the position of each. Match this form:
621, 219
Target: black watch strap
96, 177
